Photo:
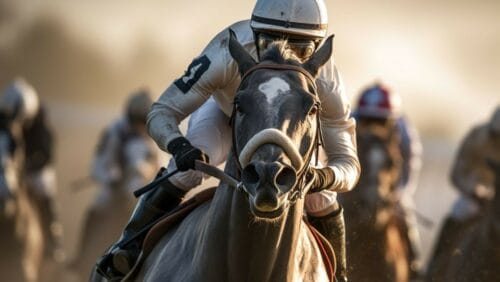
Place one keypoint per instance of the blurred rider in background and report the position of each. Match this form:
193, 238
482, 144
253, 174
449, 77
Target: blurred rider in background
474, 179
378, 105
108, 167
125, 159
26, 117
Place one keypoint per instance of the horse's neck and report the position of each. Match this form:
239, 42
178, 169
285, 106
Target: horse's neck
269, 247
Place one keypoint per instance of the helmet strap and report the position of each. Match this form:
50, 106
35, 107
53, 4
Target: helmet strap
256, 42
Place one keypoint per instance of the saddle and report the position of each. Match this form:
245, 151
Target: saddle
156, 233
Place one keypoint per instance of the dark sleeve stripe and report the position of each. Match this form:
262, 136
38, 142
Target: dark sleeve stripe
195, 70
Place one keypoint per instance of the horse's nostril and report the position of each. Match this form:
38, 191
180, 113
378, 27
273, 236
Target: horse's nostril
285, 179
250, 175
269, 174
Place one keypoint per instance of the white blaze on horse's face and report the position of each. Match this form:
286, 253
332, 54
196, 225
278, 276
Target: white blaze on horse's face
273, 88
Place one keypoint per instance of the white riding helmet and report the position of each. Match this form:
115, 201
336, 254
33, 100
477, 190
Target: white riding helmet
19, 101
298, 17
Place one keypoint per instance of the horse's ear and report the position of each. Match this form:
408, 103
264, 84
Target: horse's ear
320, 57
239, 54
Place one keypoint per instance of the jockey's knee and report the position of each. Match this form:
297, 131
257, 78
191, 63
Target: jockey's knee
321, 203
187, 180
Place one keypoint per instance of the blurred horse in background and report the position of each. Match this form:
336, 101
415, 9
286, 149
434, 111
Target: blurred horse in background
21, 240
113, 205
476, 256
376, 249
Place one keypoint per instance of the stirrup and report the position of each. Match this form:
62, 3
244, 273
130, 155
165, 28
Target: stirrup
104, 267
123, 261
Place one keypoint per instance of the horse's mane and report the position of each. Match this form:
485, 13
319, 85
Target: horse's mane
278, 53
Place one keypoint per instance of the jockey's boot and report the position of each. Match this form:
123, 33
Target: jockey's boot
332, 227
118, 260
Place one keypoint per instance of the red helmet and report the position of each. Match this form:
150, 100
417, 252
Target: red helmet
378, 101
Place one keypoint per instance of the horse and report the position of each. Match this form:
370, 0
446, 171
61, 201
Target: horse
256, 231
376, 250
113, 205
21, 241
476, 255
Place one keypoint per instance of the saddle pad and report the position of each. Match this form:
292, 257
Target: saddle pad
157, 231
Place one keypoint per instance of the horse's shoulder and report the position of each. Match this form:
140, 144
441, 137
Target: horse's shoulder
188, 227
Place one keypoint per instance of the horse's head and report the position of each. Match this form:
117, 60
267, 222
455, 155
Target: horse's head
275, 124
381, 162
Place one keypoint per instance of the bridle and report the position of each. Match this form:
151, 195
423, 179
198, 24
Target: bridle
297, 191
234, 181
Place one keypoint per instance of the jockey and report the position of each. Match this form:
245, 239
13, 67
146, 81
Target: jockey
107, 167
378, 105
26, 118
206, 92
474, 179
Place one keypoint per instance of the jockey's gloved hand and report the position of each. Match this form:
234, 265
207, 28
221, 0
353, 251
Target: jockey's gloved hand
321, 178
185, 154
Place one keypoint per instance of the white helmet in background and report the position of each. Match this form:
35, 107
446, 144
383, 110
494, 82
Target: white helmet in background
19, 101
306, 18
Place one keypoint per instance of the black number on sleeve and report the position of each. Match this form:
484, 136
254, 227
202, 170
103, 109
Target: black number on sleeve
195, 70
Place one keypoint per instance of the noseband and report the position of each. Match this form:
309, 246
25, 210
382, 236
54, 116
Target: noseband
298, 190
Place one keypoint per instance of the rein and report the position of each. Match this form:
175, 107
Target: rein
298, 190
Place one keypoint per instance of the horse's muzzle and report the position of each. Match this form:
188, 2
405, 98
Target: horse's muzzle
268, 184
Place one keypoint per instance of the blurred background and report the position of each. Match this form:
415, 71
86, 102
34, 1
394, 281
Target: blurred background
85, 57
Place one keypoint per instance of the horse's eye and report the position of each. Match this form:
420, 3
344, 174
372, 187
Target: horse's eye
237, 107
313, 110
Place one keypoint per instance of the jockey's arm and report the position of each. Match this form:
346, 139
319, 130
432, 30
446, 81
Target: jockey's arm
339, 130
210, 71
168, 112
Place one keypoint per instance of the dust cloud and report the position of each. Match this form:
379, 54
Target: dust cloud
85, 57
